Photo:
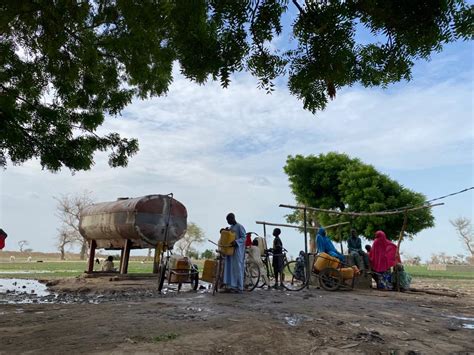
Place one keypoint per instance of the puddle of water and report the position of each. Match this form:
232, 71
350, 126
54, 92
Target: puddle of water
469, 325
22, 286
295, 319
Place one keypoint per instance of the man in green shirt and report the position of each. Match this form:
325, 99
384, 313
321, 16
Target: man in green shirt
358, 256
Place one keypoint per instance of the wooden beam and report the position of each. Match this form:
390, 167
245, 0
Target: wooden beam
299, 227
380, 213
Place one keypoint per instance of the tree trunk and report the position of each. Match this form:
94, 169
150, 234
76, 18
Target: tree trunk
83, 252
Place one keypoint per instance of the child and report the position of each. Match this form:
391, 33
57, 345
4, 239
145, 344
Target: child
278, 257
108, 264
299, 269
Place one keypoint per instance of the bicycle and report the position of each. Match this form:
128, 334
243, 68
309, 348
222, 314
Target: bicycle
269, 267
251, 273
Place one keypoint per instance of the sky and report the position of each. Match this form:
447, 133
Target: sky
223, 150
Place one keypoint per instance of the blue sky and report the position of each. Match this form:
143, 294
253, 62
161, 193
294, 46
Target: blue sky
224, 150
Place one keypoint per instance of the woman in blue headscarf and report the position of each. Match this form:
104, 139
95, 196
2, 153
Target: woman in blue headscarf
324, 245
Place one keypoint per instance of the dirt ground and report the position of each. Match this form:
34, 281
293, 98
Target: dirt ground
107, 315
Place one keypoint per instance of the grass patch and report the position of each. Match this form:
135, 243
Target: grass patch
422, 271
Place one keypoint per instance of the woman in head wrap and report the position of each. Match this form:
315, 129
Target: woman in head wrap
383, 255
324, 245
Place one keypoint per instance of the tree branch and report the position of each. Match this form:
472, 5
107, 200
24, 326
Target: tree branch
295, 2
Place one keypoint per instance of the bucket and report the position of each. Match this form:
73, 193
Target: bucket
225, 241
209, 271
324, 261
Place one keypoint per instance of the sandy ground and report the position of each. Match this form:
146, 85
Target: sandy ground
129, 316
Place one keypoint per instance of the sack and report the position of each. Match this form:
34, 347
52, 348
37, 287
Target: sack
262, 245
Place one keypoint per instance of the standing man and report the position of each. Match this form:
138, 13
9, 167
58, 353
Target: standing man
358, 256
234, 264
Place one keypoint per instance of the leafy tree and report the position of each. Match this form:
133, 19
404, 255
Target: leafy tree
208, 254
335, 181
193, 254
22, 244
466, 236
66, 65
69, 211
194, 235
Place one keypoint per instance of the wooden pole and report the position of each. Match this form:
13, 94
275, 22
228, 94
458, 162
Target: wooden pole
265, 234
402, 232
90, 266
126, 256
306, 247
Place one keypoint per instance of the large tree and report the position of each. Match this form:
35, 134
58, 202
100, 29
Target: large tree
337, 182
66, 65
463, 227
68, 210
194, 235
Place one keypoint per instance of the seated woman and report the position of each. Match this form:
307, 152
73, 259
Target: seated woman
383, 255
325, 245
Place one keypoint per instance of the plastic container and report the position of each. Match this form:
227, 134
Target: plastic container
225, 242
324, 261
262, 245
209, 271
179, 264
347, 273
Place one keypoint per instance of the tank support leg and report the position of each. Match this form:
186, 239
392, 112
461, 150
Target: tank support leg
90, 266
125, 257
156, 260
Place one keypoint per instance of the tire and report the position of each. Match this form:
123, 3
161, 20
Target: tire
269, 273
330, 279
292, 281
161, 276
251, 276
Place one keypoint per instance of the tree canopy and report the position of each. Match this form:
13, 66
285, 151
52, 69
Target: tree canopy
66, 65
336, 181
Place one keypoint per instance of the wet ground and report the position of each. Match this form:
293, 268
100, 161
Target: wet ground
123, 316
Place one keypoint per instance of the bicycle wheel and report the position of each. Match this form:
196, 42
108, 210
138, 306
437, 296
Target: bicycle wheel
268, 270
161, 275
330, 279
251, 276
294, 278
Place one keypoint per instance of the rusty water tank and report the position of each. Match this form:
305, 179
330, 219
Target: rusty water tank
142, 220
